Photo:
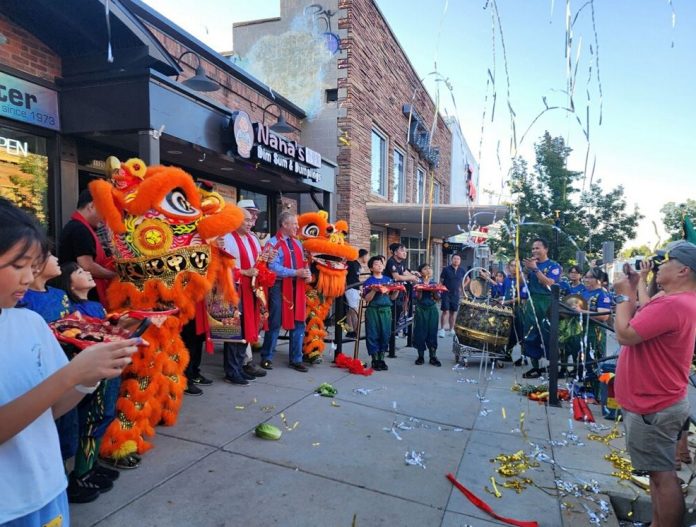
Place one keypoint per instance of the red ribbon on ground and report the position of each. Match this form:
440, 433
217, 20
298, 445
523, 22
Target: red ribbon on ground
487, 508
582, 412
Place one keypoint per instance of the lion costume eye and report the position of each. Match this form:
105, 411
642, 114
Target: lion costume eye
329, 229
310, 230
176, 203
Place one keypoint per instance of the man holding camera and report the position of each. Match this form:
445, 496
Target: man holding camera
653, 371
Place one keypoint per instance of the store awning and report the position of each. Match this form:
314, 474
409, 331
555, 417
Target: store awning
412, 220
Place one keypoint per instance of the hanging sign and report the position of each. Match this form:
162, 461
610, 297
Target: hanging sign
256, 141
27, 102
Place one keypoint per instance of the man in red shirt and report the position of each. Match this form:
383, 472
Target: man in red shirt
653, 372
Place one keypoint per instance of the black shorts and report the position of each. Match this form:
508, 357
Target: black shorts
450, 302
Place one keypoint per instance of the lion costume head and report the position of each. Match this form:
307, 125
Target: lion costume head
326, 244
161, 225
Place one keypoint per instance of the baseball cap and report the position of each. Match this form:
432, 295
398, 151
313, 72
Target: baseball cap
247, 204
684, 252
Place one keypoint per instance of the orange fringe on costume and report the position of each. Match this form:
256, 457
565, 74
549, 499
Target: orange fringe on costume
319, 237
153, 384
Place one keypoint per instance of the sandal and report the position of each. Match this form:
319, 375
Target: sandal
534, 373
129, 462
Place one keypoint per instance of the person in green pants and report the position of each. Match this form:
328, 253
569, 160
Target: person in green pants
426, 321
378, 314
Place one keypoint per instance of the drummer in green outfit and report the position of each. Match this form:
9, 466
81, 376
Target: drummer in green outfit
542, 273
426, 318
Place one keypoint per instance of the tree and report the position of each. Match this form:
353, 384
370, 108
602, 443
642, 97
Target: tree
630, 252
550, 195
673, 216
604, 218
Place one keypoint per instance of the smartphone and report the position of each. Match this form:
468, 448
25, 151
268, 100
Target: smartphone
142, 328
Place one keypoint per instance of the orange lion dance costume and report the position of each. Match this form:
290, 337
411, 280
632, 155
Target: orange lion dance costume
329, 253
162, 230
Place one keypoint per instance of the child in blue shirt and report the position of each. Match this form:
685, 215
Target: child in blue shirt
378, 314
49, 302
37, 383
96, 411
426, 318
574, 285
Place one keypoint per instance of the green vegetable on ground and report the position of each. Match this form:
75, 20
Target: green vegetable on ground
326, 390
268, 431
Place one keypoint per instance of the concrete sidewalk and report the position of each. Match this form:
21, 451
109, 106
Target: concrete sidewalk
338, 466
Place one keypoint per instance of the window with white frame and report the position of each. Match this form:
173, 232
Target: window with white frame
378, 179
398, 177
420, 185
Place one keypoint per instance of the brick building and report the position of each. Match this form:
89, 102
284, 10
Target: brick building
373, 114
64, 107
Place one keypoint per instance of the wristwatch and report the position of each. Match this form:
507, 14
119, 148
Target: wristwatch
620, 299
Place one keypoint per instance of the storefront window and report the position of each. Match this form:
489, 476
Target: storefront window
24, 171
415, 252
376, 243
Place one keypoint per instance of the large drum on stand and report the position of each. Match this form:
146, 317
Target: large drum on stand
483, 326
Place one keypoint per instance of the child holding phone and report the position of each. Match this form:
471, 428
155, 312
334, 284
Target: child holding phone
96, 411
37, 383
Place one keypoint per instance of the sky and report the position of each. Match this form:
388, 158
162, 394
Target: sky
646, 137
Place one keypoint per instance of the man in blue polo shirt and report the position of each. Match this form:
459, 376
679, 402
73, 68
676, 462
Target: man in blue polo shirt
452, 277
542, 273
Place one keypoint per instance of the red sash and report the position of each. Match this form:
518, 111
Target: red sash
288, 306
99, 258
251, 314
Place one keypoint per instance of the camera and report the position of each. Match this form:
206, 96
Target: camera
656, 260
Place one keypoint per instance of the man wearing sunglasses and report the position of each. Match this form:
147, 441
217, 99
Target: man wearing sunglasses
653, 372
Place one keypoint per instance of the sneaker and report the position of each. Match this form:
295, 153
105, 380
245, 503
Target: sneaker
128, 462
103, 471
441, 333
233, 379
246, 376
433, 360
203, 381
192, 389
266, 364
81, 491
298, 366
376, 365
419, 361
253, 369
105, 484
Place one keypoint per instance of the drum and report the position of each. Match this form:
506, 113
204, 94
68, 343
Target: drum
481, 324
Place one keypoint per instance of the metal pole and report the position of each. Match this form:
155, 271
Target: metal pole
392, 335
409, 328
553, 346
338, 330
557, 238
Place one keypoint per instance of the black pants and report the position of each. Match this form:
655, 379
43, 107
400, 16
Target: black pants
194, 344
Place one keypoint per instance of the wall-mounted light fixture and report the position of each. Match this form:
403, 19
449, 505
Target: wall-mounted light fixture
281, 126
200, 81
